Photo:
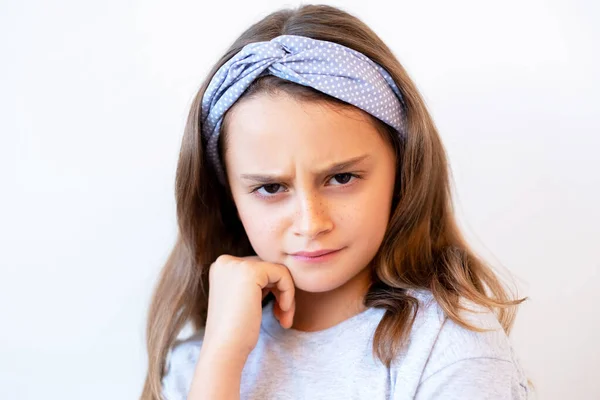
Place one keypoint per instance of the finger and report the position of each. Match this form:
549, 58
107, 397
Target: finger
284, 312
278, 297
287, 319
279, 276
270, 288
277, 312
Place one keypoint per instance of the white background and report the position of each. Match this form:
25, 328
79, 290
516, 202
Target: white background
93, 100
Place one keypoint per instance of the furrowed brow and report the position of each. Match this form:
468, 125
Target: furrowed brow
331, 170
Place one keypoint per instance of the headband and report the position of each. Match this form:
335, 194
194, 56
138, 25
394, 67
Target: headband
329, 67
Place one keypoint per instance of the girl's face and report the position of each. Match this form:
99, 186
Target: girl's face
304, 178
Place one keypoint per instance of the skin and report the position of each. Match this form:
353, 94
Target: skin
302, 208
279, 154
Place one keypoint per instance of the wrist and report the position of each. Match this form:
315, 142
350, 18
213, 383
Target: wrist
223, 354
218, 373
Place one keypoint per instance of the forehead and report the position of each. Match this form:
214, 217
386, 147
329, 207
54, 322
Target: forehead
273, 127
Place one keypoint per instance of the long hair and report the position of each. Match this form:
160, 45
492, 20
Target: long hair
423, 247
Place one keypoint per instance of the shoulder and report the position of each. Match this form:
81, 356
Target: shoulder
181, 363
456, 353
455, 342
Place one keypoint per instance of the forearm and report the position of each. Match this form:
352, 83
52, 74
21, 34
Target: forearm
217, 375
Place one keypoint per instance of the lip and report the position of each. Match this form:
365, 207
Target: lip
316, 256
314, 253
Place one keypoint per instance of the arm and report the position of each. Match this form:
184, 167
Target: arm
233, 322
473, 378
217, 375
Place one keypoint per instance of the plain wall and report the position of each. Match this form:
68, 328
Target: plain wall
93, 100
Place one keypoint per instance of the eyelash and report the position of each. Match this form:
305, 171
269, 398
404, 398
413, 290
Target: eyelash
255, 190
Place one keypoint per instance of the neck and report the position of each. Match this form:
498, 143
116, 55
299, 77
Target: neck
318, 311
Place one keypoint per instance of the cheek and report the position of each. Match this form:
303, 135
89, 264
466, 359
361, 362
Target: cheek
263, 227
370, 214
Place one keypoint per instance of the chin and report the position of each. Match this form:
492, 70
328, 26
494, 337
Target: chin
316, 286
318, 279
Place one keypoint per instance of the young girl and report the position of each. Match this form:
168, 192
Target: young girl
318, 255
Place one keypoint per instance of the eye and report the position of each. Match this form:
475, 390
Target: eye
269, 189
344, 178
272, 189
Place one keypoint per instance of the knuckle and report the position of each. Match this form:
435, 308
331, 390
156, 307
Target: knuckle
223, 259
219, 265
226, 264
247, 267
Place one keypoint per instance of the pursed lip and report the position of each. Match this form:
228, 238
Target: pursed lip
317, 253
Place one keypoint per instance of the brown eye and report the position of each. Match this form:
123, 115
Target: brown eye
343, 178
268, 190
272, 188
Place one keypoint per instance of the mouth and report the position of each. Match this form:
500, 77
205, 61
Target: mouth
316, 256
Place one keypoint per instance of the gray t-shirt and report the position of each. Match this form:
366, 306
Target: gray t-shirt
442, 361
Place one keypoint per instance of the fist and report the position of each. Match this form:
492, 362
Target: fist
237, 286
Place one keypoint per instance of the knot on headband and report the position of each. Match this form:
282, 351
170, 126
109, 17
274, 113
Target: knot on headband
328, 67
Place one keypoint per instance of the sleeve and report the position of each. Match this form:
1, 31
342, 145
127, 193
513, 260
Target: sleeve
179, 371
170, 385
481, 378
169, 391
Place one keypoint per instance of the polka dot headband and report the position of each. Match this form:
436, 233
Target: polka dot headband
329, 67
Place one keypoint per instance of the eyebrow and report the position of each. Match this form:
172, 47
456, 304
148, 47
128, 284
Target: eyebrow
331, 170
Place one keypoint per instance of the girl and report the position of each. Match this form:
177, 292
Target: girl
318, 255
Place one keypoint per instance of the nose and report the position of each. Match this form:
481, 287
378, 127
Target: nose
312, 216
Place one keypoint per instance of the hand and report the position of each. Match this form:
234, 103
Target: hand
237, 287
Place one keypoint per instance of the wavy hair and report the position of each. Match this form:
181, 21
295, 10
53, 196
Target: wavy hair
423, 247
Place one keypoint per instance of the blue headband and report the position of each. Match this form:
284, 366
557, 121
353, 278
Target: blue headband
329, 67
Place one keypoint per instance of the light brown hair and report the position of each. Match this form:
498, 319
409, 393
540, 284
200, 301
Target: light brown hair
423, 247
